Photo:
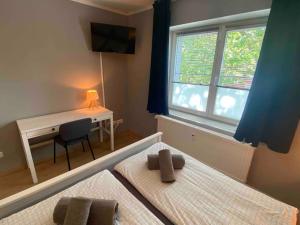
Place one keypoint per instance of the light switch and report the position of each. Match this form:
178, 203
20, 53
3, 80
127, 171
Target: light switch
1, 155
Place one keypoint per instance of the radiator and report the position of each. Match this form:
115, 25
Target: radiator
218, 151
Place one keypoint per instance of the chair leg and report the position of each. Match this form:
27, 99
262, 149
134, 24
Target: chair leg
54, 145
88, 140
67, 153
82, 146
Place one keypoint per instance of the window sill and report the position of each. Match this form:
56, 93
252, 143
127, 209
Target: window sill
206, 123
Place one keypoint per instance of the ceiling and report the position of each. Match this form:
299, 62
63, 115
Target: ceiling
124, 7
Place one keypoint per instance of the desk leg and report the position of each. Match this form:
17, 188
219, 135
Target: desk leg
29, 158
100, 124
112, 134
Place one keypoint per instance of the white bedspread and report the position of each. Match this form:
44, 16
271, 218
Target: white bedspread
202, 195
102, 185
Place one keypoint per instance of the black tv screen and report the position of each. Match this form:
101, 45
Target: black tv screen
111, 38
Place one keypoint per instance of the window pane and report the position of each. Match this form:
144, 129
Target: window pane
195, 57
242, 48
190, 96
230, 102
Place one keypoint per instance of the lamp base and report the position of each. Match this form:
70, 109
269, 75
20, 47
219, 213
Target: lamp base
93, 104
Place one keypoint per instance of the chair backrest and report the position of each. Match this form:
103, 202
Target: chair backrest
75, 129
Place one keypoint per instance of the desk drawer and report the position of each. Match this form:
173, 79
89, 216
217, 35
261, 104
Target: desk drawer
100, 118
95, 119
41, 132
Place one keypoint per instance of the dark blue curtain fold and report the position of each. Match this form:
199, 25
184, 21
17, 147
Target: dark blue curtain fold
158, 86
272, 110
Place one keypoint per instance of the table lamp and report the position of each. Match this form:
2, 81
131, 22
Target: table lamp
92, 96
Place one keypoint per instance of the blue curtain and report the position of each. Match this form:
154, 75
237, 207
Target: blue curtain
272, 110
158, 86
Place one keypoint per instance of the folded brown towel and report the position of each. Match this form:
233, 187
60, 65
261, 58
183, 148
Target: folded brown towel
104, 212
78, 211
177, 160
166, 166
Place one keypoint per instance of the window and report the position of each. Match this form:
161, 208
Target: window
212, 69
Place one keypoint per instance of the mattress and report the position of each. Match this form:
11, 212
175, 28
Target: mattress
102, 185
202, 195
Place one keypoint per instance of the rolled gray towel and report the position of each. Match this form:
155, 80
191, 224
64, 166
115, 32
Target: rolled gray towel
60, 210
78, 211
104, 212
166, 166
177, 160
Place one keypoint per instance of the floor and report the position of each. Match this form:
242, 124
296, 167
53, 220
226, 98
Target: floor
19, 180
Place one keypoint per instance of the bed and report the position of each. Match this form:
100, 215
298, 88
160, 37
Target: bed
16, 203
103, 185
202, 195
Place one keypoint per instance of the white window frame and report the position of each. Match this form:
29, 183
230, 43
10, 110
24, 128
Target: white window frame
221, 28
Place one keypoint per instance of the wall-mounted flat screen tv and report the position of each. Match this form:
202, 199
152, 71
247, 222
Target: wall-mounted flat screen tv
111, 38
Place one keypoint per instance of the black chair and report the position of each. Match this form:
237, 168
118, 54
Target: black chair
72, 133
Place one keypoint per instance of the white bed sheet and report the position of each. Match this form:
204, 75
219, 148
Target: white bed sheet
103, 186
202, 195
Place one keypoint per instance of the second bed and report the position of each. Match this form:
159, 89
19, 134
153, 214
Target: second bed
202, 195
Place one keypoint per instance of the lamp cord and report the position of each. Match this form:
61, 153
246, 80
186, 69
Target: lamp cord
102, 80
102, 85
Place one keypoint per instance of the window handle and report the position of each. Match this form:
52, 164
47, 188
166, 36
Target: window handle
216, 80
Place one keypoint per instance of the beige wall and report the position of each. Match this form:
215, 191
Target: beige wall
187, 11
278, 174
46, 65
140, 121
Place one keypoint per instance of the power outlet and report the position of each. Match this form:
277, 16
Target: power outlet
1, 155
118, 122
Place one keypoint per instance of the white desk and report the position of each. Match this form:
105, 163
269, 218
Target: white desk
49, 124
